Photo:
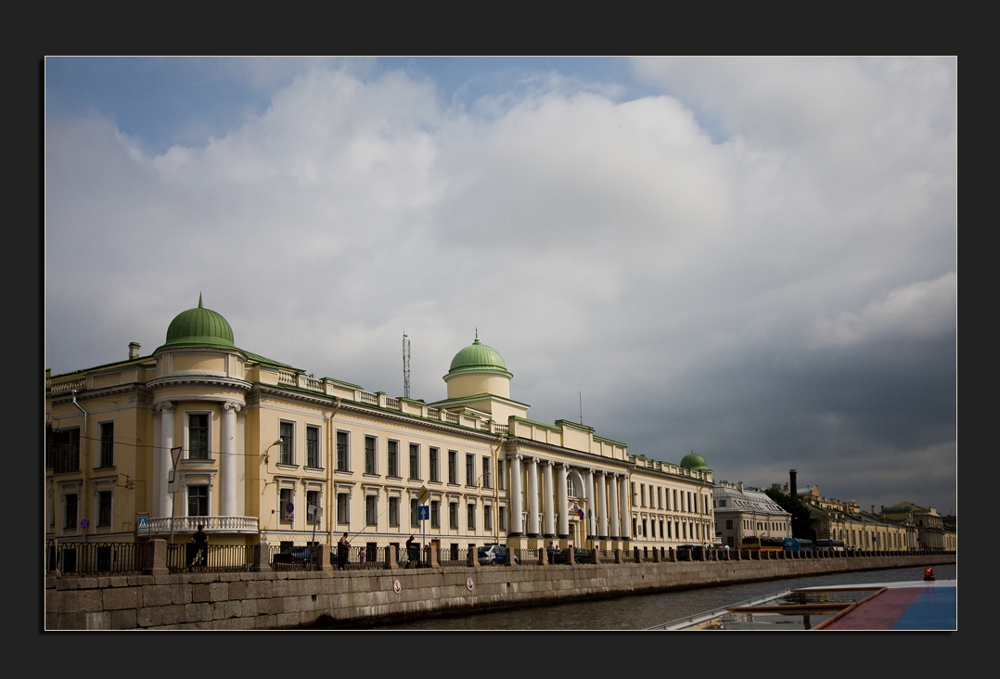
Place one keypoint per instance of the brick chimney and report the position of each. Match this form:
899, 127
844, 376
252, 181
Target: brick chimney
793, 488
133, 350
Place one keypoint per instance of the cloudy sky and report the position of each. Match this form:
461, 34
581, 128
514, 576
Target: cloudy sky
754, 259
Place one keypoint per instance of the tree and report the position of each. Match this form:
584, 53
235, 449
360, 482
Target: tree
801, 523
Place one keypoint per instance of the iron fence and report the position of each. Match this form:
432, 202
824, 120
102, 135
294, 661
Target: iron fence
216, 559
94, 557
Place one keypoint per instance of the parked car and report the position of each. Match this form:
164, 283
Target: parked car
696, 552
580, 555
297, 555
494, 555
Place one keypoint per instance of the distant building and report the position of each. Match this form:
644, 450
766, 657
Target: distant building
932, 532
204, 432
744, 512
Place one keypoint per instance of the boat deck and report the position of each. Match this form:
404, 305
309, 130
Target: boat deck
917, 607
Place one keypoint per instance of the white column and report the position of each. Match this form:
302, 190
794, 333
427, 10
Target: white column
164, 463
227, 460
602, 503
516, 509
533, 497
591, 506
548, 500
613, 503
625, 503
562, 501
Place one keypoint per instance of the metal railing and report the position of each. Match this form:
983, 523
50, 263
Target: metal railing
95, 558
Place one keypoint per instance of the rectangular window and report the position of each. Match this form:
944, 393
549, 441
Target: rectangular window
661, 530
312, 447
343, 457
287, 508
198, 437
659, 499
286, 430
71, 506
313, 509
394, 511
470, 470
415, 461
635, 498
392, 463
65, 447
452, 466
502, 519
487, 472
432, 459
471, 518
197, 500
488, 518
370, 455
104, 509
343, 508
453, 515
435, 514
371, 507
729, 524
642, 493
501, 475
107, 444
414, 514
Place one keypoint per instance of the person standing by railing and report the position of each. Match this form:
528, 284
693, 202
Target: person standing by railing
200, 540
342, 548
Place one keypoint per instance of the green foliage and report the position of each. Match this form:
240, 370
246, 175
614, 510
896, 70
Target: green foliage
801, 523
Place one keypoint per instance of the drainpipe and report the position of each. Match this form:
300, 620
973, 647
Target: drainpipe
331, 491
83, 458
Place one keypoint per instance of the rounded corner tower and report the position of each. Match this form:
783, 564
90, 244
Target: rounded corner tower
200, 327
694, 462
478, 369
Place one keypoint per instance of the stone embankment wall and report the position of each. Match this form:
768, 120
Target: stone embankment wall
290, 599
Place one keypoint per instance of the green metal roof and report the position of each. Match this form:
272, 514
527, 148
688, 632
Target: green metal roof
694, 462
477, 356
200, 326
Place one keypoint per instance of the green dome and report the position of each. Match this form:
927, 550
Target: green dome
477, 356
694, 462
200, 326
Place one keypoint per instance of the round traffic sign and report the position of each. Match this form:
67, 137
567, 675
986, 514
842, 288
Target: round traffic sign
396, 587
470, 584
85, 523
289, 508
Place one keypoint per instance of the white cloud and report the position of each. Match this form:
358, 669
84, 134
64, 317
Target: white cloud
922, 310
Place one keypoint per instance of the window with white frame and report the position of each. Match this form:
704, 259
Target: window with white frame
312, 447
414, 461
414, 513
286, 432
487, 472
104, 509
197, 500
371, 510
470, 469
314, 508
370, 455
70, 510
343, 452
635, 498
471, 517
453, 515
452, 466
392, 458
433, 455
502, 518
197, 437
343, 508
394, 511
435, 514
107, 453
488, 518
501, 475
287, 508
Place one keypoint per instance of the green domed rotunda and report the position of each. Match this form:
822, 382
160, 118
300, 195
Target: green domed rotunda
694, 462
477, 356
200, 326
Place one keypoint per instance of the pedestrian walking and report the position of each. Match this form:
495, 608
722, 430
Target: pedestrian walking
200, 540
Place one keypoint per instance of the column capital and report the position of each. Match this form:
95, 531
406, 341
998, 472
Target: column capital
232, 405
164, 406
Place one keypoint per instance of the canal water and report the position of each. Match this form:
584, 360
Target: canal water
647, 610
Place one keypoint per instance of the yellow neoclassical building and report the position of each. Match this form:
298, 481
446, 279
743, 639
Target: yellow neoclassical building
203, 432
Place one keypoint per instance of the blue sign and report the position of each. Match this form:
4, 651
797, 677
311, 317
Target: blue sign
143, 523
85, 523
423, 513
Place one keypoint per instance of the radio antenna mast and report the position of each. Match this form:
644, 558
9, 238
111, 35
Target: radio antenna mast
406, 366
